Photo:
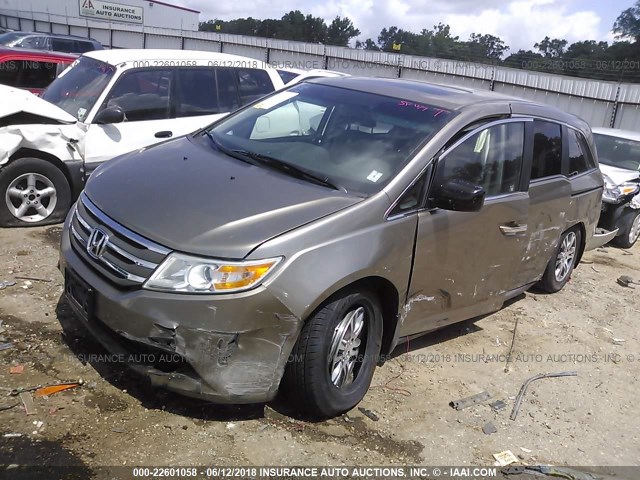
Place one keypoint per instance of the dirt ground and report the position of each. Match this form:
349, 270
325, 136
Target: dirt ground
591, 327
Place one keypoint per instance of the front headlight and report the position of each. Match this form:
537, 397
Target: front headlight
615, 192
184, 273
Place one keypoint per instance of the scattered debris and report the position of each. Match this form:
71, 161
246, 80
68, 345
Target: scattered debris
525, 450
52, 389
505, 458
16, 369
497, 405
5, 346
595, 269
602, 250
469, 401
35, 279
550, 471
231, 426
513, 341
12, 435
489, 428
626, 281
118, 430
369, 414
8, 405
27, 402
525, 385
618, 341
6, 283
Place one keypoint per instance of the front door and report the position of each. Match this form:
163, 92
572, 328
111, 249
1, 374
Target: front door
465, 261
159, 104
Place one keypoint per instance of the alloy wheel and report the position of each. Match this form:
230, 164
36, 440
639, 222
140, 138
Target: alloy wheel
31, 197
566, 256
345, 351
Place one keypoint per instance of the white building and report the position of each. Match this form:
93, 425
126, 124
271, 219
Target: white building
104, 14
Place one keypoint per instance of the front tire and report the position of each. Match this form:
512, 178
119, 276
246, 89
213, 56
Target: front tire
630, 230
561, 265
333, 360
34, 192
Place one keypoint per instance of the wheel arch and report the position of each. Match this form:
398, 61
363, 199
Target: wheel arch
73, 175
389, 298
583, 239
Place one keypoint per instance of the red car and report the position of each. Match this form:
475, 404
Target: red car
32, 70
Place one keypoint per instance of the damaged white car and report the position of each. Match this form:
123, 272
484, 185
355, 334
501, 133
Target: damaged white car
619, 155
108, 103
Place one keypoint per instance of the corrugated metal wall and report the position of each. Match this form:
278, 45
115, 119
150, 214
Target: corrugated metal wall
600, 103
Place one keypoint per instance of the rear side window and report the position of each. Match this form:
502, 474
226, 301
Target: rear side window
547, 150
253, 84
63, 45
579, 161
142, 94
38, 43
205, 91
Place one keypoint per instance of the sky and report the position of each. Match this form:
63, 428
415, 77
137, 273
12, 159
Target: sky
520, 23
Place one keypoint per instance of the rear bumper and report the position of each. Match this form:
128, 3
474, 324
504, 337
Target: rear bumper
227, 349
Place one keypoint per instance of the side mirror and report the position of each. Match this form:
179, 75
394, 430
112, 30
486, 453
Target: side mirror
110, 115
460, 196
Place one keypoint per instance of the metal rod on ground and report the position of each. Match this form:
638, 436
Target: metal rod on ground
525, 385
513, 341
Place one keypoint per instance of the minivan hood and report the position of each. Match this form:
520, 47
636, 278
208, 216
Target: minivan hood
188, 197
619, 175
15, 100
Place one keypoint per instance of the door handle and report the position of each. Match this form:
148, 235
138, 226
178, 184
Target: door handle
164, 134
513, 228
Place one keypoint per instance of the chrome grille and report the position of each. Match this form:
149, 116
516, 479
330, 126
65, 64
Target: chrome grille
127, 258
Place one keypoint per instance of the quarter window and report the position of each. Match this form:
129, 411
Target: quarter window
143, 95
491, 158
579, 162
547, 150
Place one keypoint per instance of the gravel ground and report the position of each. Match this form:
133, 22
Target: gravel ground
591, 327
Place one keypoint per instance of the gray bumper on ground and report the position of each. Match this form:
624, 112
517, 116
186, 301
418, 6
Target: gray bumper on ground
233, 348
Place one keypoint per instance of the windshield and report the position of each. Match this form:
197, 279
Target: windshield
618, 152
77, 89
354, 139
10, 38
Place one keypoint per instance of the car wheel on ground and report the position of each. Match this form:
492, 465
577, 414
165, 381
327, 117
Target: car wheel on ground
331, 365
35, 193
629, 229
561, 266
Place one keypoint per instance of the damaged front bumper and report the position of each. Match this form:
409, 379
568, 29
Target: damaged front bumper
224, 348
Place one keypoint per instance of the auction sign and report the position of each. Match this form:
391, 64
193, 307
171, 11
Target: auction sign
111, 12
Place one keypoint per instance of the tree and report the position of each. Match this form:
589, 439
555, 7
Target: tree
486, 46
341, 31
551, 48
587, 49
368, 44
627, 25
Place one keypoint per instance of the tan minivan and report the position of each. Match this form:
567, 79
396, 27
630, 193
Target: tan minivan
292, 245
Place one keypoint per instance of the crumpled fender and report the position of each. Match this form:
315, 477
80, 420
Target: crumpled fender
60, 141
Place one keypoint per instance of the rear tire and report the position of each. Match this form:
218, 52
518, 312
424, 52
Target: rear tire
630, 229
561, 265
333, 360
33, 192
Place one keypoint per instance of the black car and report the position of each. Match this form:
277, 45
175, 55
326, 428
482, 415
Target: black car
49, 41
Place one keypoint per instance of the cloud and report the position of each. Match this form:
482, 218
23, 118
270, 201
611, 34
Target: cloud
520, 23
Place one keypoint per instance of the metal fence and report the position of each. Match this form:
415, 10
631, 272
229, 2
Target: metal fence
602, 104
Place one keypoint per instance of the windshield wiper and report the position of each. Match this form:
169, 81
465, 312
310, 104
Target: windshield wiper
290, 169
254, 158
228, 151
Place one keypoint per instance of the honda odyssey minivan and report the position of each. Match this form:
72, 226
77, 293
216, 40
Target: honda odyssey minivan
293, 244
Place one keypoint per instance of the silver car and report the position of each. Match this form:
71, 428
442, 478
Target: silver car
294, 244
